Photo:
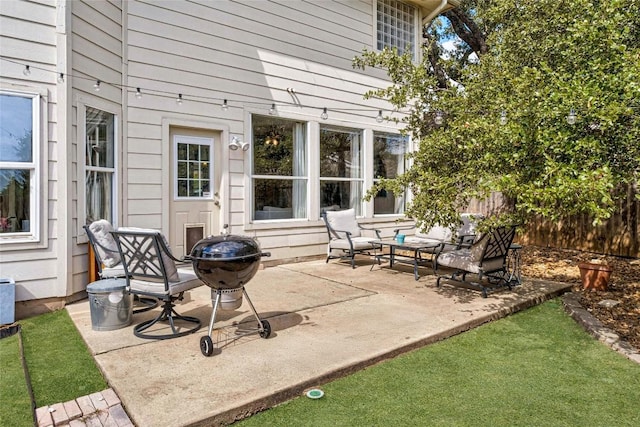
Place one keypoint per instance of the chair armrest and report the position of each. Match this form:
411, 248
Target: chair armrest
465, 240
407, 227
335, 233
371, 229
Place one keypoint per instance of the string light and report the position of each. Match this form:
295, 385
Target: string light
439, 118
97, 85
571, 118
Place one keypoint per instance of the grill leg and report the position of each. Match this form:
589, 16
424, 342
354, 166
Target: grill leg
253, 309
215, 302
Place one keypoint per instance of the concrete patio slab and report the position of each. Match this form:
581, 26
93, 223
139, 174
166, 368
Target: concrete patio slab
328, 320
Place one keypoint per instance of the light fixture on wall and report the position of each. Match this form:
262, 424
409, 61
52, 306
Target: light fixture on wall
272, 110
235, 144
61, 78
26, 71
179, 99
96, 86
138, 93
225, 105
379, 117
324, 115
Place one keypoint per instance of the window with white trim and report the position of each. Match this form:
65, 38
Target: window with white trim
396, 26
19, 166
389, 161
280, 174
100, 165
341, 169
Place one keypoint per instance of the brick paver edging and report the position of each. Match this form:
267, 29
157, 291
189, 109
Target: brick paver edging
97, 409
571, 302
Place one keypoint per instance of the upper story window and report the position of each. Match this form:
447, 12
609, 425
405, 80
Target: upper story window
389, 161
341, 169
19, 170
100, 165
280, 177
396, 26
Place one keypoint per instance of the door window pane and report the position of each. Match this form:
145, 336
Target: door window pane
193, 167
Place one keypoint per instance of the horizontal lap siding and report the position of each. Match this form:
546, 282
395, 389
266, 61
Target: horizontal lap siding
96, 54
28, 36
248, 52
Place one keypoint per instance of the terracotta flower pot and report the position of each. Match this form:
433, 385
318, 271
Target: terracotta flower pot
595, 277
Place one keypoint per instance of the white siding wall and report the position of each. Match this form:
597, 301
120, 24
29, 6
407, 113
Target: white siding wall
28, 34
96, 54
248, 52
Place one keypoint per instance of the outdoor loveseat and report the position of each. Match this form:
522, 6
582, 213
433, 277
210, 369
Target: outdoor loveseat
450, 239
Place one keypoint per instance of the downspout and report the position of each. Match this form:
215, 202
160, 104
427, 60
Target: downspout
435, 12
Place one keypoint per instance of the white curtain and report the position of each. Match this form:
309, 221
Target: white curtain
400, 161
299, 169
356, 172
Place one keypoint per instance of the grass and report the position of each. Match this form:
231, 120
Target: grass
60, 366
534, 368
537, 367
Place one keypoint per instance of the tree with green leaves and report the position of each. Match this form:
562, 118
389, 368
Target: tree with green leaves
540, 103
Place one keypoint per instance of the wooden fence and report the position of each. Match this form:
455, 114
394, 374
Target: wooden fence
620, 235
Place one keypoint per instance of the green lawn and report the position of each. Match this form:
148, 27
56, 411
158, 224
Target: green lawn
535, 368
60, 366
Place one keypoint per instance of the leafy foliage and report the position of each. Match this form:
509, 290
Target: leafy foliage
543, 59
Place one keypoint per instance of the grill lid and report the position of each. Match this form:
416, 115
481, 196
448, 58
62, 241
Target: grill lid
228, 247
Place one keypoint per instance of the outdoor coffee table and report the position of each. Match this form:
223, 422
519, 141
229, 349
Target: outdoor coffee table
414, 248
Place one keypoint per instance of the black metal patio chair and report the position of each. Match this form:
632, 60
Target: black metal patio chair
151, 271
107, 259
346, 239
486, 258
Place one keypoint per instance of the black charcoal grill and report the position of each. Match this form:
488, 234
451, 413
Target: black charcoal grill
226, 263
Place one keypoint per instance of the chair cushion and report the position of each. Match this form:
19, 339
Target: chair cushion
187, 281
469, 223
169, 264
344, 221
101, 230
116, 271
359, 243
417, 239
436, 233
461, 259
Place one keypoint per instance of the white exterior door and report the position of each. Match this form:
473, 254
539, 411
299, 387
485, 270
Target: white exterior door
195, 192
